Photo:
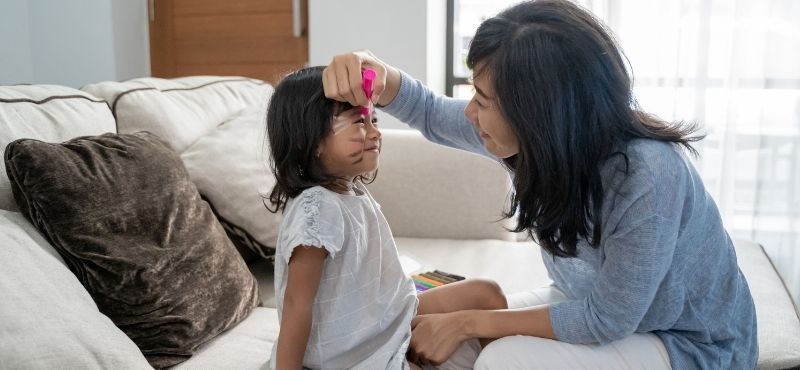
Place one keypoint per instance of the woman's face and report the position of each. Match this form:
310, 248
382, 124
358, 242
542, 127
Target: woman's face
484, 112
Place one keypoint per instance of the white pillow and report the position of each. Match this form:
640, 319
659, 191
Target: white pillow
229, 167
49, 321
179, 110
49, 113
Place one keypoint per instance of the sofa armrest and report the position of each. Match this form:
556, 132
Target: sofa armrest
430, 191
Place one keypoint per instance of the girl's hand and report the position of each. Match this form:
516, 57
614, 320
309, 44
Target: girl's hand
435, 337
342, 81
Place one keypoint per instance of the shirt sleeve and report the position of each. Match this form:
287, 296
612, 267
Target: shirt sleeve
316, 222
439, 118
638, 256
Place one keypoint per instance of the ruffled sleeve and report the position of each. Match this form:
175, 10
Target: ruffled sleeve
315, 219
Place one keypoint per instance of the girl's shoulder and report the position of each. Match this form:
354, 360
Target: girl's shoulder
311, 200
318, 191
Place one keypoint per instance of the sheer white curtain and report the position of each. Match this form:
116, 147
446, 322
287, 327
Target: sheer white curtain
734, 67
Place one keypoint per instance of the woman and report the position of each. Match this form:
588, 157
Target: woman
645, 275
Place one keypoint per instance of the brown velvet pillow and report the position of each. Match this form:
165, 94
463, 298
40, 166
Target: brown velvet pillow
121, 210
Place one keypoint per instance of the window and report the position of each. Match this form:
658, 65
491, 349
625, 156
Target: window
733, 67
463, 18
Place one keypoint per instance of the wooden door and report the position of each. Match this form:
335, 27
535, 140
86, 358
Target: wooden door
261, 39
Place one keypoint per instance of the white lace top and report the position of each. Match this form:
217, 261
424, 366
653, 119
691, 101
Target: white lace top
364, 305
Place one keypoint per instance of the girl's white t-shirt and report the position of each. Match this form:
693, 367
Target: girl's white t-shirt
364, 305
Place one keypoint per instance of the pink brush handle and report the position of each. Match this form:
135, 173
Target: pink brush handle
367, 76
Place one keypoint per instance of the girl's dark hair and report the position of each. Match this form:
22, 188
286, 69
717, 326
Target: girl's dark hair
299, 117
561, 84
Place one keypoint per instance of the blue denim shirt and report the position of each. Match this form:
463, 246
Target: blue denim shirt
665, 263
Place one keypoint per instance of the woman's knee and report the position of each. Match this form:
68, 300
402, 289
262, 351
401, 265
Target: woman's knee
496, 355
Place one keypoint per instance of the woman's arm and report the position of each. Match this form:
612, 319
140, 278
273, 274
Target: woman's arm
532, 321
305, 271
440, 119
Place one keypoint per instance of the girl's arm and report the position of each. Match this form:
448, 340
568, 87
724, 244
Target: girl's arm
305, 270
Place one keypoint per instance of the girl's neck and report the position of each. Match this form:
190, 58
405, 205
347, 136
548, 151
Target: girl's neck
342, 186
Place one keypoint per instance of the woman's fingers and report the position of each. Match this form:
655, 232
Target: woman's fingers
432, 339
342, 79
341, 69
357, 84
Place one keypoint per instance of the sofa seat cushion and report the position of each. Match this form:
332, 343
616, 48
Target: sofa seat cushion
49, 320
48, 113
516, 266
247, 346
778, 322
122, 211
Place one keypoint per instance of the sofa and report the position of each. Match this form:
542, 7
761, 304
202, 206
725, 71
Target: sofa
443, 205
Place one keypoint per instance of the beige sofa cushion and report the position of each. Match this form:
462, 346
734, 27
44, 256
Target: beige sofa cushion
430, 191
778, 322
48, 113
49, 321
247, 346
179, 110
229, 166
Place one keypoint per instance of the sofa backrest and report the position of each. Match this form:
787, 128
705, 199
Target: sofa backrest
49, 113
179, 110
431, 191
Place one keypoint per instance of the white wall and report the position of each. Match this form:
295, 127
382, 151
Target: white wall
407, 34
131, 38
15, 63
73, 43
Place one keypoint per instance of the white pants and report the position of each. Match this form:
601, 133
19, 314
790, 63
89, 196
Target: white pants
638, 351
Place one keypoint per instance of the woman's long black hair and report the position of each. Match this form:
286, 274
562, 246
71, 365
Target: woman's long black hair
561, 84
299, 117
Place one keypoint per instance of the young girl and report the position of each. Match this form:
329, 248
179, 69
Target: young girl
645, 275
343, 300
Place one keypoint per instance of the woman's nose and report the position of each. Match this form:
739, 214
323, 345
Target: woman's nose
471, 111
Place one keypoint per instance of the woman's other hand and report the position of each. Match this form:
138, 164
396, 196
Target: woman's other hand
342, 81
435, 337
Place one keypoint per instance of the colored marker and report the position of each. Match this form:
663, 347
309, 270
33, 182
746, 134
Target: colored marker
428, 281
418, 281
368, 77
437, 277
454, 276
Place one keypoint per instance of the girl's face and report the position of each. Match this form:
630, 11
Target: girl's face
484, 112
353, 145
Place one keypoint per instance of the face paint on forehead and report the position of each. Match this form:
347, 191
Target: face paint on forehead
339, 125
343, 120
